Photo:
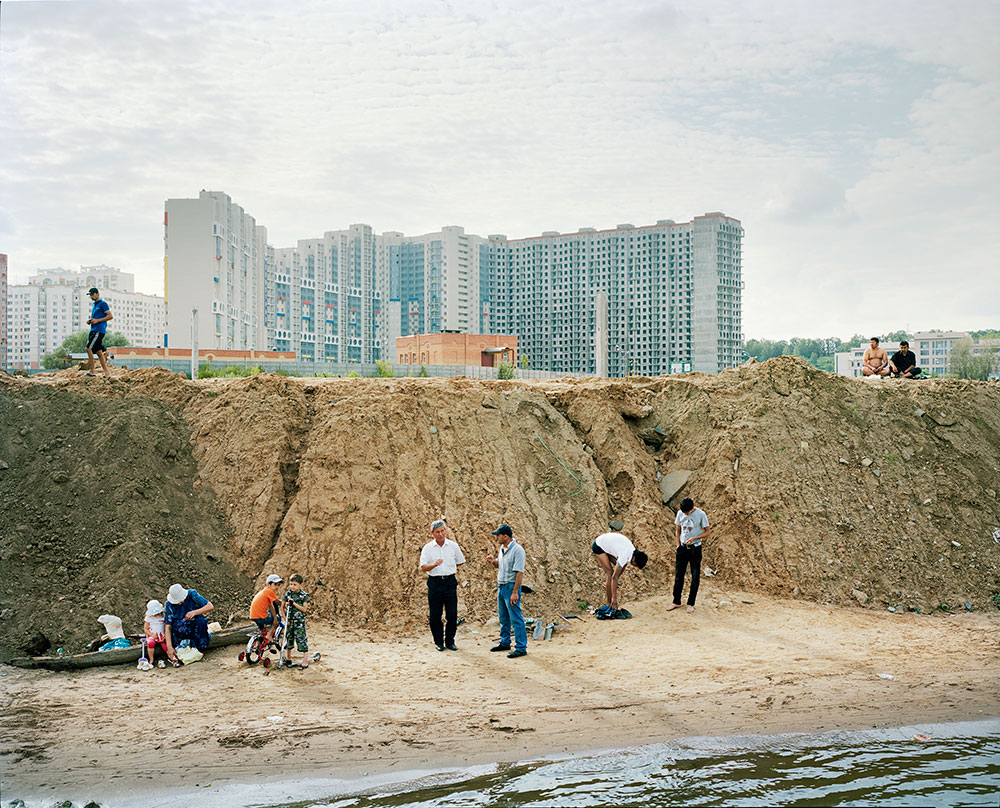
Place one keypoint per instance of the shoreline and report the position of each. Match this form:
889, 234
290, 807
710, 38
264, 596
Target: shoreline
382, 706
306, 787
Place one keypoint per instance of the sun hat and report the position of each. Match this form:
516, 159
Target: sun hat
153, 608
177, 594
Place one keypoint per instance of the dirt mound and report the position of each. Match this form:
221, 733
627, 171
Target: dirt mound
878, 493
100, 511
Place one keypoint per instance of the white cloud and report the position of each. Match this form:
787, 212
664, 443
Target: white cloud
854, 140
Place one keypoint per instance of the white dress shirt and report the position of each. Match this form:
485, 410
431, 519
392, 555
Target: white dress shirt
450, 552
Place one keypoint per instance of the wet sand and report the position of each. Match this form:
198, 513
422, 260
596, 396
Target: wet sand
393, 703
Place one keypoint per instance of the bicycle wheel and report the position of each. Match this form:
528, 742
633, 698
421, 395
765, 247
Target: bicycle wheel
253, 651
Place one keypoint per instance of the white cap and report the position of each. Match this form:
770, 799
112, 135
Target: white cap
113, 625
275, 579
177, 594
154, 607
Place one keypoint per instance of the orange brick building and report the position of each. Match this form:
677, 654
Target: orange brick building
470, 350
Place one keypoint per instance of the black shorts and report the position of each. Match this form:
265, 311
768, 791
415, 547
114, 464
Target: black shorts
95, 342
263, 623
595, 549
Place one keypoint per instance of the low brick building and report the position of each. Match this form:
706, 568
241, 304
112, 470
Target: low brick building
469, 350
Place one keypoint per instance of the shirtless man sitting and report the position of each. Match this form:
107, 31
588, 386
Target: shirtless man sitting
875, 361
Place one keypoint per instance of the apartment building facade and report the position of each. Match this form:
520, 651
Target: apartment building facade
3, 310
673, 296
668, 296
55, 304
213, 263
322, 300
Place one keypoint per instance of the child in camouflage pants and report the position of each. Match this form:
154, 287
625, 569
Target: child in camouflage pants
296, 609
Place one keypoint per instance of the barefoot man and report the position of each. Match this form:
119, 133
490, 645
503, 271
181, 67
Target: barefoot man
692, 527
875, 362
98, 322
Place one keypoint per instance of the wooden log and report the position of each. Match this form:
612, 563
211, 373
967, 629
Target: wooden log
120, 656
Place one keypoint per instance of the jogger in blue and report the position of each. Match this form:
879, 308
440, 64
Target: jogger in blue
510, 570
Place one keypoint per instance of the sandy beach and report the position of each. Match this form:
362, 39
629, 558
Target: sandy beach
394, 703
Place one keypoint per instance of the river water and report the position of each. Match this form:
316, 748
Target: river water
931, 765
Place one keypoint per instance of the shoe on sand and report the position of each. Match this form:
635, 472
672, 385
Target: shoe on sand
516, 654
161, 664
500, 648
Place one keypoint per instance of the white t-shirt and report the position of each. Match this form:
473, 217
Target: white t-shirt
156, 627
617, 545
449, 551
692, 524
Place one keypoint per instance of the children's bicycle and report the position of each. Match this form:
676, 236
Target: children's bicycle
260, 645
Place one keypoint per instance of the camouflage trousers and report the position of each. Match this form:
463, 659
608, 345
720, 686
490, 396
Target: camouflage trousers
296, 632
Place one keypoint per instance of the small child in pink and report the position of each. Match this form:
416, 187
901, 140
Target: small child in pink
155, 630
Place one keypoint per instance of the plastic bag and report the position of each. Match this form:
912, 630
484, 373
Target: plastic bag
189, 655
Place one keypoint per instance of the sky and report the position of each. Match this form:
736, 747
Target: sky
857, 142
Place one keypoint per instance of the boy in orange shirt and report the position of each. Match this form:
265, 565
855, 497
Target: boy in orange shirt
264, 607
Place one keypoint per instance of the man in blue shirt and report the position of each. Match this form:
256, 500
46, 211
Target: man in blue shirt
510, 570
98, 322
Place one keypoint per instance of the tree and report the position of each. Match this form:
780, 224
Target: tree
522, 361
77, 343
384, 369
969, 363
505, 370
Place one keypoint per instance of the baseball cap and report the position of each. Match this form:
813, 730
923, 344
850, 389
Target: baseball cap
93, 290
275, 579
503, 530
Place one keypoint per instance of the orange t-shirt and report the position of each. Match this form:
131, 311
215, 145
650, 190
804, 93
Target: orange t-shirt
260, 606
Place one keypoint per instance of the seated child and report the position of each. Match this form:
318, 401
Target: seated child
296, 609
115, 636
155, 631
264, 607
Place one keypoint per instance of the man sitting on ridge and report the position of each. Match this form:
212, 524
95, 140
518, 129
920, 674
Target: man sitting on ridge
875, 362
903, 363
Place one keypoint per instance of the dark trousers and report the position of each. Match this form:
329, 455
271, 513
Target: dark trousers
195, 629
685, 556
442, 593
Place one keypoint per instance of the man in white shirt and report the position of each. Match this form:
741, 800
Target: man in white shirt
440, 559
692, 527
614, 553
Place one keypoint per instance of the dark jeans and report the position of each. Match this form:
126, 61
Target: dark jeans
685, 556
442, 593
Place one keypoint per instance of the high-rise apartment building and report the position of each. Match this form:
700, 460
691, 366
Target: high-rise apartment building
441, 281
54, 304
322, 300
673, 296
213, 262
668, 296
3, 310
